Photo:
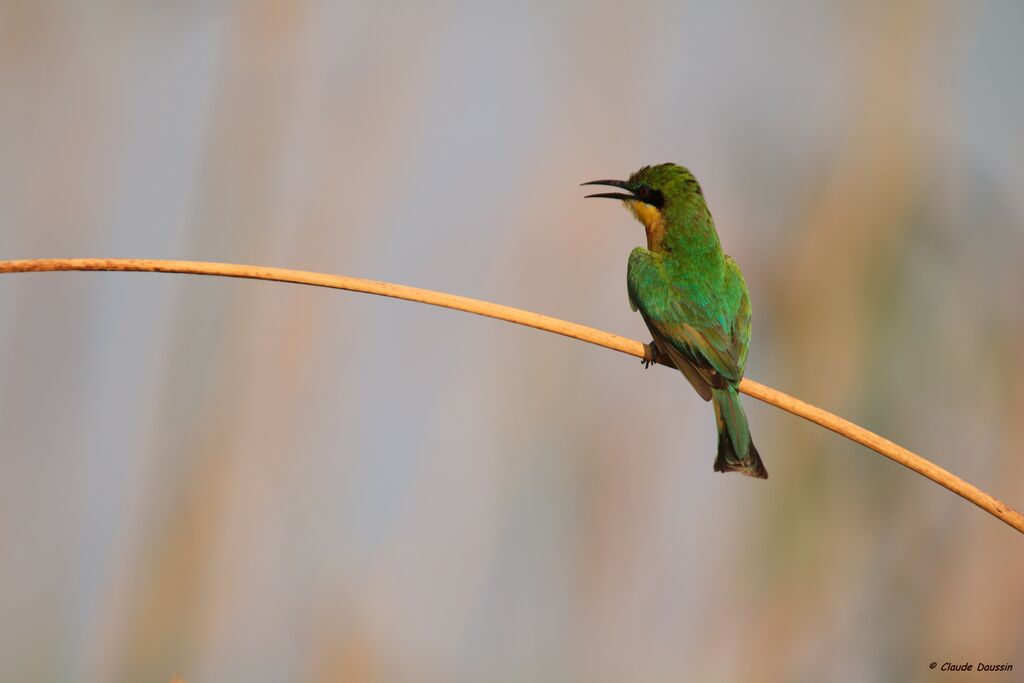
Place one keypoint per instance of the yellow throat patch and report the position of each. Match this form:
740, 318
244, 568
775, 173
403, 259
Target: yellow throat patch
653, 220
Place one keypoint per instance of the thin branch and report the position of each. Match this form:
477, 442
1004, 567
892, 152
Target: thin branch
541, 322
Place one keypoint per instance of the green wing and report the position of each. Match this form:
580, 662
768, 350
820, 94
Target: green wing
710, 336
740, 332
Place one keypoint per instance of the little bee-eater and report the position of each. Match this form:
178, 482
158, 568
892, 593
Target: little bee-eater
693, 299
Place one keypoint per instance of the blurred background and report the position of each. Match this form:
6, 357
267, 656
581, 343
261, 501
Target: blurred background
246, 481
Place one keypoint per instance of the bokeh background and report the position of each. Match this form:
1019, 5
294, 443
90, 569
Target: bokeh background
245, 481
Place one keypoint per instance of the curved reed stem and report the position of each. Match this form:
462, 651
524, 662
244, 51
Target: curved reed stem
541, 322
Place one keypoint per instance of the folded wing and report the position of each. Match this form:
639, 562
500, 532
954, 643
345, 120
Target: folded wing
708, 343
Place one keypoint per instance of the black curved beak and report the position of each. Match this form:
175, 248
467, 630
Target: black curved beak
610, 195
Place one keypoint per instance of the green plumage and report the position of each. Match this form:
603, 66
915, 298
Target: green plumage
693, 299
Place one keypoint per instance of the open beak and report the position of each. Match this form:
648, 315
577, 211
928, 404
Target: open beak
611, 195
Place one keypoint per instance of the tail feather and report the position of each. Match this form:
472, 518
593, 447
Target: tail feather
736, 451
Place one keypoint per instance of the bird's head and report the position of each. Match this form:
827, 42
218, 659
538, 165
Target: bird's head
652, 192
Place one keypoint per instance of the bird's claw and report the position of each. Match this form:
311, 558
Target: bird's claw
655, 354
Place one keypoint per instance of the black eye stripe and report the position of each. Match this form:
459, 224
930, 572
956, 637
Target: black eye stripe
650, 196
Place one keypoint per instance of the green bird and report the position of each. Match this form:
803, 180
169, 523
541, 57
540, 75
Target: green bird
693, 299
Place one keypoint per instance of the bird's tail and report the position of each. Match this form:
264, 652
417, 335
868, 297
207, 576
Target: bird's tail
736, 452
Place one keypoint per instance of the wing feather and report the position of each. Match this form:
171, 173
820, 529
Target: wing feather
711, 340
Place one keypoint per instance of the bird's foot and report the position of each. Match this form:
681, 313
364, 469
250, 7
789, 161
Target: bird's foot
655, 355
